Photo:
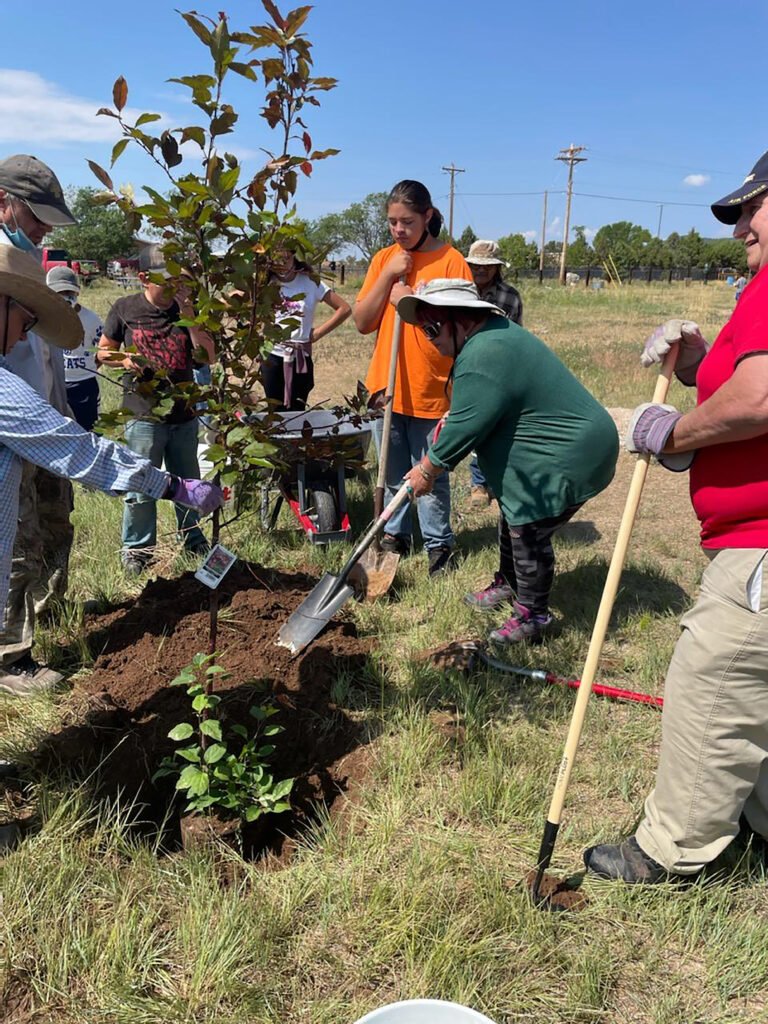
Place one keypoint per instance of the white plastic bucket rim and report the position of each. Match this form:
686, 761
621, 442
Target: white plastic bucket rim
424, 1011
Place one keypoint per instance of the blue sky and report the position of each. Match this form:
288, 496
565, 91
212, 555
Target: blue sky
658, 92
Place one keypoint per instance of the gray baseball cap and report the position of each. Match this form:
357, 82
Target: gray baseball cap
62, 279
152, 260
32, 181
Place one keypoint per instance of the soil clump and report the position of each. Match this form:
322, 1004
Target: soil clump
129, 706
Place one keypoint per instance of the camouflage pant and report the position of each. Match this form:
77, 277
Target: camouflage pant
527, 559
40, 558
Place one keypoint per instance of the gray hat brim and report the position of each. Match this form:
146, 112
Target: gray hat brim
408, 306
486, 261
57, 322
54, 216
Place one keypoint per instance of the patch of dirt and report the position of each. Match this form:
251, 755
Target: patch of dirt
556, 894
128, 705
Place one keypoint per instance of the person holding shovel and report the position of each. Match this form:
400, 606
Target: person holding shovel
32, 430
422, 381
543, 442
712, 776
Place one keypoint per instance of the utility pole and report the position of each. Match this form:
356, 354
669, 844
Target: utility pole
453, 171
661, 212
543, 239
571, 157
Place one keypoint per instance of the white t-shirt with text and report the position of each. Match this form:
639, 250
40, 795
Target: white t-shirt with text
80, 362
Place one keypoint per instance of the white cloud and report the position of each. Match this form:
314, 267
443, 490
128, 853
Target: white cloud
589, 234
34, 110
696, 180
531, 236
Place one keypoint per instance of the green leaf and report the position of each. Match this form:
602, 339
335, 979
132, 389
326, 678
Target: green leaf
296, 19
281, 806
246, 70
282, 788
211, 727
181, 732
273, 730
202, 33
253, 812
214, 753
193, 780
117, 149
197, 135
189, 753
147, 119
241, 731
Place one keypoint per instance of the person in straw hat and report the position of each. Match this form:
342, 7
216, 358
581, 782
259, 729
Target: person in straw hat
544, 443
32, 430
485, 262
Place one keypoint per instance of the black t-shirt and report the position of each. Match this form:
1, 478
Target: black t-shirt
155, 334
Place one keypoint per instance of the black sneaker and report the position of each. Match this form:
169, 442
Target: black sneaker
625, 862
440, 560
135, 562
396, 544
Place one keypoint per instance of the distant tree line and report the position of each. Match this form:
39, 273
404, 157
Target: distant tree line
362, 229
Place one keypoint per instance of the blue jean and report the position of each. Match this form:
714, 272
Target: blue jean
408, 444
176, 445
476, 474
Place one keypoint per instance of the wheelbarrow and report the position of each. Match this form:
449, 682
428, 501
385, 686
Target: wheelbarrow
317, 452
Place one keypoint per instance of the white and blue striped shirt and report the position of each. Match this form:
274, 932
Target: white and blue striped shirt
33, 430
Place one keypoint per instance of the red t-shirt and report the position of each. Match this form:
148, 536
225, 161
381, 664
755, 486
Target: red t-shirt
729, 482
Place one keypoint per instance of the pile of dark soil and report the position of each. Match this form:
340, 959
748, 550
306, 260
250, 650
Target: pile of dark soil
129, 706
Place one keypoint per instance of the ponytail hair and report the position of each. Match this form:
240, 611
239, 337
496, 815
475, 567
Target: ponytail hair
416, 196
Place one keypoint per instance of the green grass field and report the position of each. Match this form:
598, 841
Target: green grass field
417, 890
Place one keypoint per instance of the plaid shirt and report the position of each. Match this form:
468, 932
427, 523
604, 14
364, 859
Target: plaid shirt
31, 429
507, 298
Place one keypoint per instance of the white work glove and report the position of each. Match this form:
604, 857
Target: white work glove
693, 348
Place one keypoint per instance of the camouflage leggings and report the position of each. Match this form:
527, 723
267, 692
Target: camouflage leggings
527, 559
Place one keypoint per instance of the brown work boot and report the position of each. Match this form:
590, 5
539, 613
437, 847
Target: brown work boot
479, 497
26, 677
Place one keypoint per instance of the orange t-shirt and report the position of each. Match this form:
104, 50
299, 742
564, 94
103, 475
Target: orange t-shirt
421, 371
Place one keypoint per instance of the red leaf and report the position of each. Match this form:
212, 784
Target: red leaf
306, 167
120, 93
307, 141
276, 16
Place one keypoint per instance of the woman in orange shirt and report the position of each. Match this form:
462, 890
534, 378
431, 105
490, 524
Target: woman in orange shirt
421, 389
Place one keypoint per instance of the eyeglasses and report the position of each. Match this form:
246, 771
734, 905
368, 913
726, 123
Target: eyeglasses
32, 213
31, 320
430, 330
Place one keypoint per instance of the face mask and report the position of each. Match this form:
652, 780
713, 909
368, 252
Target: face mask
20, 240
71, 299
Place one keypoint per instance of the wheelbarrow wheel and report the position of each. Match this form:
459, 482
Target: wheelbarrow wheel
325, 511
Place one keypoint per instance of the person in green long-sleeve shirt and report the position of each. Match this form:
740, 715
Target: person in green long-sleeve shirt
543, 442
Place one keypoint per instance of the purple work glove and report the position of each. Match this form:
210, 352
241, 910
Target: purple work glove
201, 495
648, 432
693, 348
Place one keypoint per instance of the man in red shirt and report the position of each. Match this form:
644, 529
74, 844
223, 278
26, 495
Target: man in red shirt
712, 777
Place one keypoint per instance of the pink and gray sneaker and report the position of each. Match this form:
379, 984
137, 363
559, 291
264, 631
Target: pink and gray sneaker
522, 627
496, 593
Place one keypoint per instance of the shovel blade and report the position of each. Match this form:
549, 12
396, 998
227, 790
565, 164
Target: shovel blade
314, 613
374, 574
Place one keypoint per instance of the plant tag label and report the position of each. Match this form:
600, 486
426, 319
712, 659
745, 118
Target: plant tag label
216, 566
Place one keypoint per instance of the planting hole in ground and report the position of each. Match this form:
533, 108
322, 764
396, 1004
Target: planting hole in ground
128, 706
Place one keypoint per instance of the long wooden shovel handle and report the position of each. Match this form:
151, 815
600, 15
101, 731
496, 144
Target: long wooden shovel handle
386, 431
598, 632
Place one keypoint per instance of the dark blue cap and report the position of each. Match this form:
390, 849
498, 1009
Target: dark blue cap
728, 209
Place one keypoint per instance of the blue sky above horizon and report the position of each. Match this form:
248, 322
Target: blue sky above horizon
652, 91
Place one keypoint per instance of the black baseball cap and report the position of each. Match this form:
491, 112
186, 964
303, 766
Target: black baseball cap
728, 209
32, 181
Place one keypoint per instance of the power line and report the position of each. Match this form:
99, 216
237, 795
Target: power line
653, 202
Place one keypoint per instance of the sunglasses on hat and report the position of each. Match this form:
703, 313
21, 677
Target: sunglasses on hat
430, 329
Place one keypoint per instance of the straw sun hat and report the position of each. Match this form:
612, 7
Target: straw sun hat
22, 278
455, 293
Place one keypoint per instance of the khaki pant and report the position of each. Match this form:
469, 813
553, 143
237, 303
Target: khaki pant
713, 763
40, 558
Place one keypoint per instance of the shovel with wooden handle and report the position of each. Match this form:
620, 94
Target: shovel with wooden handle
599, 630
316, 610
373, 575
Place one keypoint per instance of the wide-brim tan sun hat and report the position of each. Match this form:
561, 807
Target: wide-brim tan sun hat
447, 292
22, 278
485, 254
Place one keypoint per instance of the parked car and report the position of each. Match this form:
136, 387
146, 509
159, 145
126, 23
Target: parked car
56, 258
